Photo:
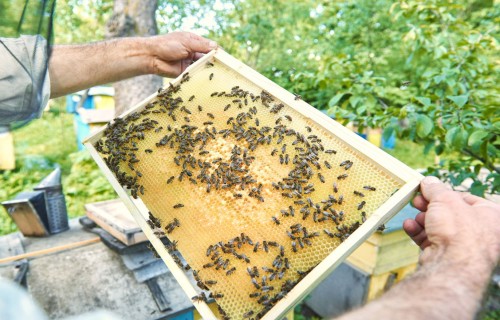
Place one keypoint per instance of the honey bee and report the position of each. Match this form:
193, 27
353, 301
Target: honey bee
321, 178
288, 118
256, 247
342, 176
179, 205
267, 288
208, 265
349, 165
255, 284
330, 151
361, 205
370, 188
199, 298
191, 98
248, 314
230, 271
328, 233
210, 282
275, 220
335, 187
341, 199
359, 194
211, 76
254, 294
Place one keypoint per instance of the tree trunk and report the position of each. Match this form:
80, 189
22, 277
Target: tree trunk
133, 18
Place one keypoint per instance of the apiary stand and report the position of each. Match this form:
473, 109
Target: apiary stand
409, 184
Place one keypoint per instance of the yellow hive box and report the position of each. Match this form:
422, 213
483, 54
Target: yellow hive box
262, 194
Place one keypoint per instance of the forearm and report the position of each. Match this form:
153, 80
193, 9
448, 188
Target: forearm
76, 67
442, 289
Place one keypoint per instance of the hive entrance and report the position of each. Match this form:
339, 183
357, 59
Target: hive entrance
252, 193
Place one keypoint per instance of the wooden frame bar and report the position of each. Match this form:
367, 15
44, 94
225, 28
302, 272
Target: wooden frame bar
409, 178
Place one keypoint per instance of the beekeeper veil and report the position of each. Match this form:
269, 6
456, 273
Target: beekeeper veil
25, 37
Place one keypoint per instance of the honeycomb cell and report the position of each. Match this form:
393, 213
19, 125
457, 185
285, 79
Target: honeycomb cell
234, 157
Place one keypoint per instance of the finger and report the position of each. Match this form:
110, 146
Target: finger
433, 189
420, 203
420, 219
412, 228
185, 63
195, 43
197, 56
415, 231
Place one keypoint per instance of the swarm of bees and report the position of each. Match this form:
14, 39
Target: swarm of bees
303, 155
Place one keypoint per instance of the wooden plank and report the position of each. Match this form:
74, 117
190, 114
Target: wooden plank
116, 214
24, 215
126, 238
391, 166
43, 252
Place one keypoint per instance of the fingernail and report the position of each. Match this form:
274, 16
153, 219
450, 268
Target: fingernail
431, 180
212, 44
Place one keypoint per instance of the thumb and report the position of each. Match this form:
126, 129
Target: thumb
196, 43
433, 189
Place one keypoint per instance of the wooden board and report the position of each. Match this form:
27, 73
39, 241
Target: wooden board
408, 179
114, 217
24, 215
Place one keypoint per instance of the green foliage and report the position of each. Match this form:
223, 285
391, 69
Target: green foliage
85, 184
25, 17
79, 21
41, 146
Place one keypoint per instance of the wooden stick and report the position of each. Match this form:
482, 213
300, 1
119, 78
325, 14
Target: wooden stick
50, 250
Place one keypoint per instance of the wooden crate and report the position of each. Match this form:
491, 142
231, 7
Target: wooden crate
113, 216
397, 177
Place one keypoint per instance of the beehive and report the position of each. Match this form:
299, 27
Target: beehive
262, 194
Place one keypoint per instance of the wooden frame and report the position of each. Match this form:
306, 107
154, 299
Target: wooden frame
410, 181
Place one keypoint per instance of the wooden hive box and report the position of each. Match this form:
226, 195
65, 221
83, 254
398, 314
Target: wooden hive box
262, 194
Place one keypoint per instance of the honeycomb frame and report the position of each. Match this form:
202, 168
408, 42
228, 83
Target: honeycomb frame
407, 182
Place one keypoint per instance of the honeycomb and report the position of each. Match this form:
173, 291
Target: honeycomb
251, 193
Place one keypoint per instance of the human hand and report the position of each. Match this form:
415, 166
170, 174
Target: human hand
172, 53
457, 225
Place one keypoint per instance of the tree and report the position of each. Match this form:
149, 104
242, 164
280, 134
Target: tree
425, 71
133, 18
